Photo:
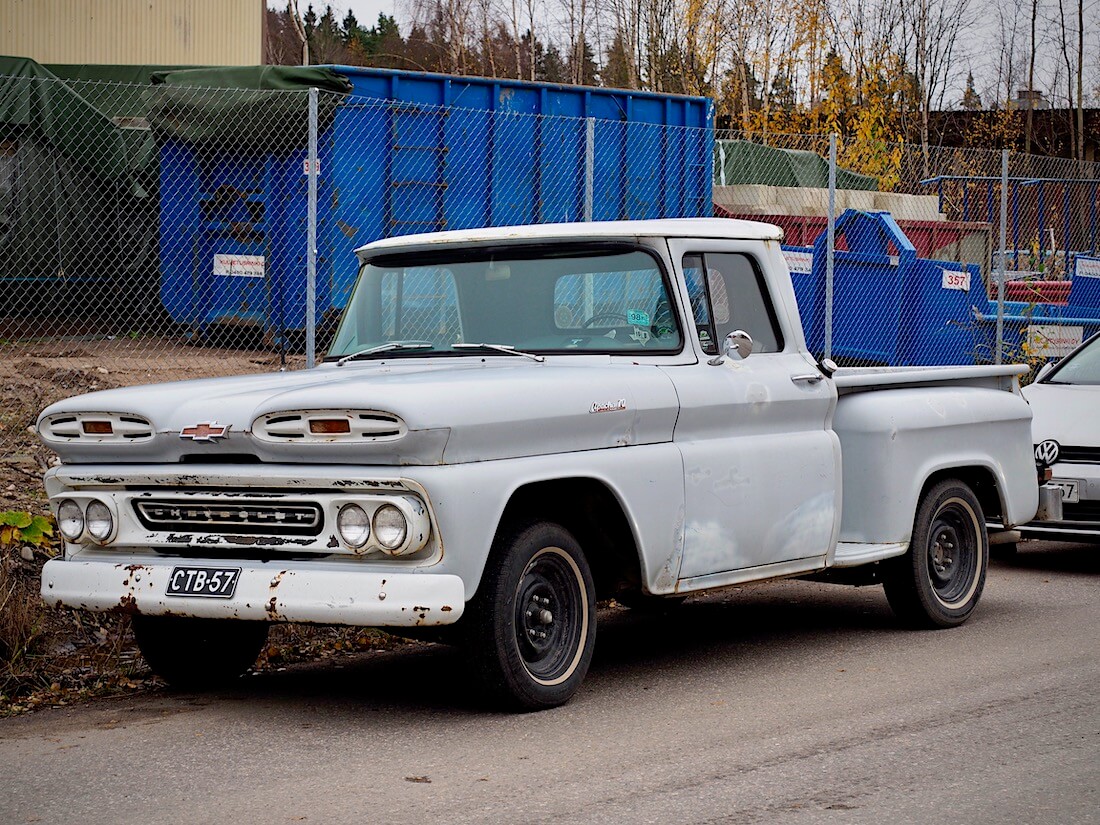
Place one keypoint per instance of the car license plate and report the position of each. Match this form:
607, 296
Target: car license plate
1071, 490
207, 582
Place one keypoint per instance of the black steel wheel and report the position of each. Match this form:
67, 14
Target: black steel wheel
532, 625
939, 581
197, 654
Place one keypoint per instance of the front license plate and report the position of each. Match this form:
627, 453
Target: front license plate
1071, 490
207, 582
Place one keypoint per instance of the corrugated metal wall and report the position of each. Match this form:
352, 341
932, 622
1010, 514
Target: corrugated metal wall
192, 32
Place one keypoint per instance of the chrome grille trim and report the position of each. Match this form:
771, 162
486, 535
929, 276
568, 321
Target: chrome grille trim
1079, 455
246, 517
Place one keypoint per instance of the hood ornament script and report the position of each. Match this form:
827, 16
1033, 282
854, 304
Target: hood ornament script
205, 431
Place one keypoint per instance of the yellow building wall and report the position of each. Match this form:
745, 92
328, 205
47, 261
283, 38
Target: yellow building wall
164, 32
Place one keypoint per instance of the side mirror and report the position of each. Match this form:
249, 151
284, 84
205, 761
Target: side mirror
739, 342
1043, 370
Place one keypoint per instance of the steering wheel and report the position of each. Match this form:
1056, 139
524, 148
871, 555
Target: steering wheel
606, 316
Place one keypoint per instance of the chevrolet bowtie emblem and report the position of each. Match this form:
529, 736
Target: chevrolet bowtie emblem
205, 431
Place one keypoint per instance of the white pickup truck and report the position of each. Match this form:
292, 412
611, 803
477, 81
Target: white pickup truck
514, 423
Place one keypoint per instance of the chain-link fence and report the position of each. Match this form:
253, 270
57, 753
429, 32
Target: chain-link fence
160, 232
922, 284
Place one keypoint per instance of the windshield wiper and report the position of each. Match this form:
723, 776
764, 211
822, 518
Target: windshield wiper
392, 345
507, 349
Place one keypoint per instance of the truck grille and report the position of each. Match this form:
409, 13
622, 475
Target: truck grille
247, 518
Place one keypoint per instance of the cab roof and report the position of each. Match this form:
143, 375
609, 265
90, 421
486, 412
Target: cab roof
593, 230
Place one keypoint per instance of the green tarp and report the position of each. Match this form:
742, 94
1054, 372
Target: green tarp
742, 162
117, 91
250, 107
35, 99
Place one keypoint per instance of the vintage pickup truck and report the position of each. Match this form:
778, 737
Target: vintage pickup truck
514, 423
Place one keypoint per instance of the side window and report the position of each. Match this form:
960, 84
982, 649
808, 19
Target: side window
737, 299
420, 304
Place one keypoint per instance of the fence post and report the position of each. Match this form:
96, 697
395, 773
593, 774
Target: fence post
589, 165
1004, 254
830, 248
311, 235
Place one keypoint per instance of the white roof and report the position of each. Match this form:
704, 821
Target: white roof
592, 230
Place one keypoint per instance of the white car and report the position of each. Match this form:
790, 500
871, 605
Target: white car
1065, 402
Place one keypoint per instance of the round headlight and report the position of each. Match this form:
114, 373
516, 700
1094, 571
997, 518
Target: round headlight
354, 525
390, 527
99, 520
70, 519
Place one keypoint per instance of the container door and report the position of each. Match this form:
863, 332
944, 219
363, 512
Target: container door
761, 464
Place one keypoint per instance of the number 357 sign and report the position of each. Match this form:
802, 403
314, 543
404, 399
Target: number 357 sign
953, 279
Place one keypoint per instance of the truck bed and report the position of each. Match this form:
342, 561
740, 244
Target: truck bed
861, 379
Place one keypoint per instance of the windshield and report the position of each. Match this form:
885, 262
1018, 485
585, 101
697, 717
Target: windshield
1082, 368
545, 300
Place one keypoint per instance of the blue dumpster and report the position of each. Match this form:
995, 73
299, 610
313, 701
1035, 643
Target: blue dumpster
410, 152
889, 306
1046, 323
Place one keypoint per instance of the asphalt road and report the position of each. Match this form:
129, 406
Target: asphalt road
789, 702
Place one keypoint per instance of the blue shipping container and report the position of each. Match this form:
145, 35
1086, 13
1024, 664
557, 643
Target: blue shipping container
411, 152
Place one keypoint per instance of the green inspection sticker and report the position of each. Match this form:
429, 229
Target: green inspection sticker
637, 318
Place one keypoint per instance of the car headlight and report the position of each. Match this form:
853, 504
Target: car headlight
390, 527
70, 519
99, 521
354, 525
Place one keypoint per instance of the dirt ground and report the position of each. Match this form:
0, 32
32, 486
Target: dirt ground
64, 656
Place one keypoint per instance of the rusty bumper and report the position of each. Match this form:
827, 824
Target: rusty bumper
266, 592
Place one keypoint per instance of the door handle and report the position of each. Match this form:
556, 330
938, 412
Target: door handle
808, 378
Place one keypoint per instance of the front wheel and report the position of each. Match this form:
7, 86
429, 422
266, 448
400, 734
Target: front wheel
196, 654
939, 581
533, 621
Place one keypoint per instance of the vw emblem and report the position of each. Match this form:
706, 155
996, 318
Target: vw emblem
1046, 452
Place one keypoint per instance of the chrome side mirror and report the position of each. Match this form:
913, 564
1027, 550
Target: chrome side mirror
737, 342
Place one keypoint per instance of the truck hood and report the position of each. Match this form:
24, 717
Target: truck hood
450, 410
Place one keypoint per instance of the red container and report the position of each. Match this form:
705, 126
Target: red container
1038, 292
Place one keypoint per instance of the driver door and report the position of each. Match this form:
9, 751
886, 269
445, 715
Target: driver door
761, 465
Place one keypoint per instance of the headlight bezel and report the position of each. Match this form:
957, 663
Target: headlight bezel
352, 507
70, 536
392, 548
110, 520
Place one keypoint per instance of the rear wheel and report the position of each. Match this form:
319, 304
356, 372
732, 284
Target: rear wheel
194, 654
533, 622
939, 581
